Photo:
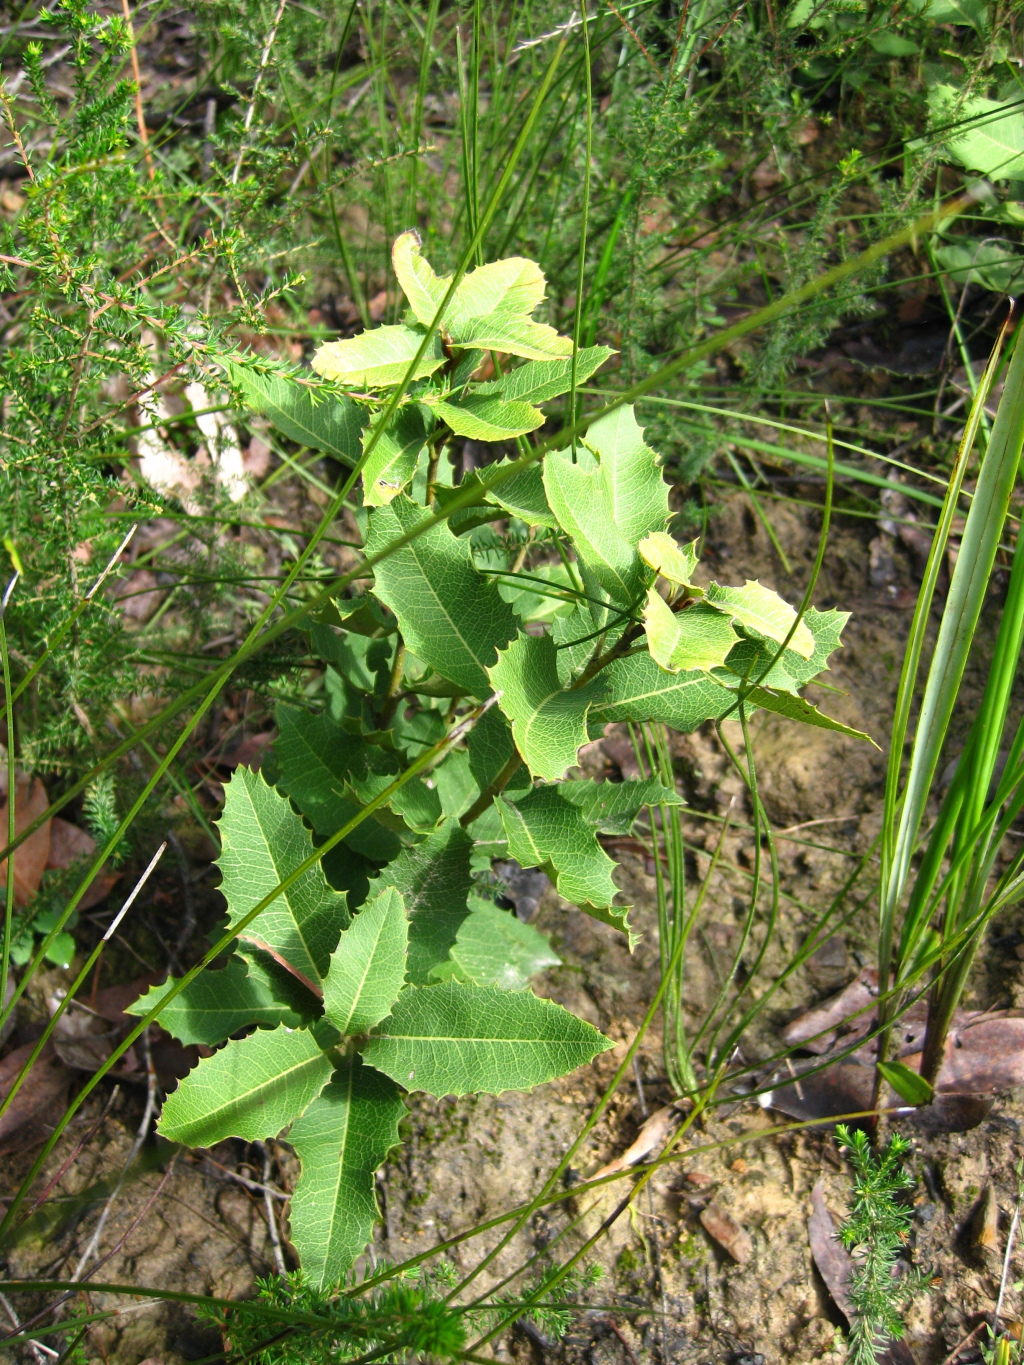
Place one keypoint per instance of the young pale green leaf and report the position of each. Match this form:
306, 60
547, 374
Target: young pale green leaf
368, 966
217, 1004
379, 358
262, 841
481, 418
513, 334
342, 1138
798, 708
698, 637
764, 611
579, 496
540, 380
324, 421
636, 493
675, 562
513, 287
549, 723
433, 879
523, 496
546, 830
316, 759
459, 1039
392, 461
494, 948
907, 1083
252, 1088
612, 807
993, 140
450, 615
637, 689
420, 285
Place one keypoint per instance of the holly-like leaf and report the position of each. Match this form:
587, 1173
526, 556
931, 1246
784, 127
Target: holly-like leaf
341, 1140
751, 657
368, 966
698, 637
459, 1039
252, 1088
993, 265
675, 562
540, 380
433, 879
481, 418
378, 358
262, 842
494, 948
612, 807
992, 141
522, 494
637, 494
578, 495
764, 611
546, 830
414, 273
392, 461
512, 287
637, 689
549, 722
316, 760
514, 334
324, 421
215, 1005
450, 615
798, 708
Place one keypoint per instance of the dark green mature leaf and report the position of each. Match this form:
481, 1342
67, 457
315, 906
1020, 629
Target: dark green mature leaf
368, 966
549, 722
540, 380
482, 418
378, 358
494, 948
612, 807
263, 841
434, 881
392, 461
341, 1140
252, 1088
325, 422
637, 689
546, 830
217, 1004
458, 1039
450, 615
490, 747
316, 760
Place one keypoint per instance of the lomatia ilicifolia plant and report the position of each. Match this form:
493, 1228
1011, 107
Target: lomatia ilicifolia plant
457, 692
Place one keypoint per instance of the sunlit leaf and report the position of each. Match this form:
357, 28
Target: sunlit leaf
378, 358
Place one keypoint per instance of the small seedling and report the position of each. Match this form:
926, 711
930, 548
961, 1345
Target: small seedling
875, 1234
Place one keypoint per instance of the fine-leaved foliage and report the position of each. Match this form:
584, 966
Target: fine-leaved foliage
511, 616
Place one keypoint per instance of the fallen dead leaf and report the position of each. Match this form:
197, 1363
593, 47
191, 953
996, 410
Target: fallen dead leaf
723, 1228
830, 1256
39, 1101
30, 800
651, 1138
985, 1223
817, 1028
69, 845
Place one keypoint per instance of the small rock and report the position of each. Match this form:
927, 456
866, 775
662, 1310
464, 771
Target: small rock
724, 1229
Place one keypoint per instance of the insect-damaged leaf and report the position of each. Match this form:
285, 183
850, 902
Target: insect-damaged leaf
341, 1139
546, 830
549, 722
459, 1039
450, 615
